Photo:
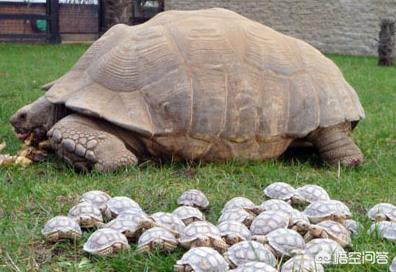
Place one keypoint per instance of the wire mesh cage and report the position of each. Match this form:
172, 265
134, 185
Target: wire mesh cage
49, 20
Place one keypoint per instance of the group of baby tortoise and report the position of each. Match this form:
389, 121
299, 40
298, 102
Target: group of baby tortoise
248, 237
384, 215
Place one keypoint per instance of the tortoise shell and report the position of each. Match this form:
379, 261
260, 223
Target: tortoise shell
169, 221
61, 227
237, 214
298, 221
382, 211
268, 221
131, 229
280, 190
324, 251
254, 267
248, 251
311, 193
86, 215
138, 216
302, 263
201, 259
392, 267
106, 241
332, 230
97, 198
276, 205
327, 209
118, 204
200, 83
194, 198
385, 230
241, 202
233, 232
197, 229
188, 214
353, 226
157, 237
286, 242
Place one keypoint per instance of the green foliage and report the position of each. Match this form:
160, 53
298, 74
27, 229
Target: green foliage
29, 197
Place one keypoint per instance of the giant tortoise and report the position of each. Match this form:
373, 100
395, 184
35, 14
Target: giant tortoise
206, 85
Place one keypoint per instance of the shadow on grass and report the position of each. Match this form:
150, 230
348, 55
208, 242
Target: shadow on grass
302, 155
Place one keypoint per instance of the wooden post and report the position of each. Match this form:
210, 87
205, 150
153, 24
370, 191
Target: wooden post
53, 13
386, 42
101, 17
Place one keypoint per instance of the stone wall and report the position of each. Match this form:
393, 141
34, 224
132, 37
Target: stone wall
333, 26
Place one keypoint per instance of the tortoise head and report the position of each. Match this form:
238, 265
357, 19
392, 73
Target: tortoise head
35, 119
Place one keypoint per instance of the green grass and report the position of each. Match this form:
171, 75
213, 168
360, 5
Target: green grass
29, 197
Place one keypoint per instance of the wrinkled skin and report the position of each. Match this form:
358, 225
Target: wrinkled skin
34, 119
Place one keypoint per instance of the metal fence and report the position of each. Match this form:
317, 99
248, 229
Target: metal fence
53, 20
34, 22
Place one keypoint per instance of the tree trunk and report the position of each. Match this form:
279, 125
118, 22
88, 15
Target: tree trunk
386, 43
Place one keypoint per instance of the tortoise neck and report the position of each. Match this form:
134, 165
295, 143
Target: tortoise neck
59, 111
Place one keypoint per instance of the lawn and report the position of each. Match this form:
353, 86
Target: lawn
29, 197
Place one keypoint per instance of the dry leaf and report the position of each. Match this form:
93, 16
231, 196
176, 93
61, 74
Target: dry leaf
7, 160
23, 161
45, 145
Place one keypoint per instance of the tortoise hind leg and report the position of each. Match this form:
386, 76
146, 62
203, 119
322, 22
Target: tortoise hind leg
336, 146
87, 143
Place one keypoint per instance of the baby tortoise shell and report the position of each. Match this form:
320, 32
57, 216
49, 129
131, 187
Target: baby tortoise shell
86, 215
202, 234
194, 198
311, 193
169, 221
201, 259
327, 210
157, 238
254, 267
392, 267
131, 229
248, 251
106, 241
382, 212
237, 214
385, 230
298, 221
268, 221
280, 190
353, 227
138, 216
96, 198
302, 263
61, 227
324, 251
242, 202
331, 230
118, 204
283, 242
188, 214
234, 232
276, 205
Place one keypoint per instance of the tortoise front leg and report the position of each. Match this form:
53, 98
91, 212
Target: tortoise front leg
84, 143
336, 146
